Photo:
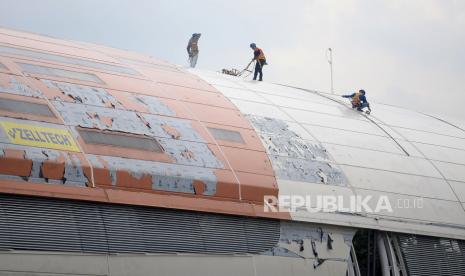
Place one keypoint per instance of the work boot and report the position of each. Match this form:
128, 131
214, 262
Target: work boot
260, 79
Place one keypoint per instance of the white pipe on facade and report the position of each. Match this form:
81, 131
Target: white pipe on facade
383, 256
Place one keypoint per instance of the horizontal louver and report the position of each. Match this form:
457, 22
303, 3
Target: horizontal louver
33, 223
433, 256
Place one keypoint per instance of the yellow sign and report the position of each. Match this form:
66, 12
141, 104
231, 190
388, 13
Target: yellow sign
37, 136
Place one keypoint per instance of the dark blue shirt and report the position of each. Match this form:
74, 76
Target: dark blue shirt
362, 98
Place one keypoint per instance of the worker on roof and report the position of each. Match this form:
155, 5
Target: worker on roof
260, 60
193, 49
359, 100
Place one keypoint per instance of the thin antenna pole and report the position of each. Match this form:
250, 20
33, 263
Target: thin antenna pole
329, 57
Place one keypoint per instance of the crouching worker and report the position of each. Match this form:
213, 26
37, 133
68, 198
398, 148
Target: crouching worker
359, 100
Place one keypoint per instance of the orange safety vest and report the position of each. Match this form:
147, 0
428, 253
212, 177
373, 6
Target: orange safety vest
356, 99
261, 56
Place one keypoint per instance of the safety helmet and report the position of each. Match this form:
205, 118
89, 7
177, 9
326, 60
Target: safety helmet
253, 46
362, 91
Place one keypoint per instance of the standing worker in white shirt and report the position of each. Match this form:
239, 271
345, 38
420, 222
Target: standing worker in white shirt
193, 49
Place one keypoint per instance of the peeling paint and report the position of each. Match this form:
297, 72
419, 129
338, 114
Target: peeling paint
191, 153
301, 231
90, 117
294, 158
11, 177
199, 187
171, 131
307, 171
168, 127
283, 252
85, 94
153, 104
165, 177
9, 84
304, 240
64, 166
318, 262
161, 128
126, 121
323, 176
279, 139
72, 175
329, 244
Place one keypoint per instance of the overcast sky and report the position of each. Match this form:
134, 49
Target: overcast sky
409, 53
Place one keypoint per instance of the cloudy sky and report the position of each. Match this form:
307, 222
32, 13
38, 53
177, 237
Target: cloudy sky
408, 53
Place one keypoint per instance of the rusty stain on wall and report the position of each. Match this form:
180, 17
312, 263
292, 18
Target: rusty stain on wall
294, 158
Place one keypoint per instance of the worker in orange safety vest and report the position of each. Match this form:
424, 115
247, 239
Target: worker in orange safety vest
359, 100
260, 60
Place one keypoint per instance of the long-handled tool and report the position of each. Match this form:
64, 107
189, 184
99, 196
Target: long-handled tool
246, 69
237, 73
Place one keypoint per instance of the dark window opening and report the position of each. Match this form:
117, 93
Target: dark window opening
67, 60
130, 141
50, 71
25, 107
365, 246
226, 135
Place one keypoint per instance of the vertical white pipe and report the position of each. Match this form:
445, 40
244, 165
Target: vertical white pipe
330, 61
383, 257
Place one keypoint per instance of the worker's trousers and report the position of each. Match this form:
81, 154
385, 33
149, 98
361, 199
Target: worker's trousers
362, 106
193, 59
259, 69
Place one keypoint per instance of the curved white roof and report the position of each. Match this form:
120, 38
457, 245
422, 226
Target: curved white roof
411, 158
